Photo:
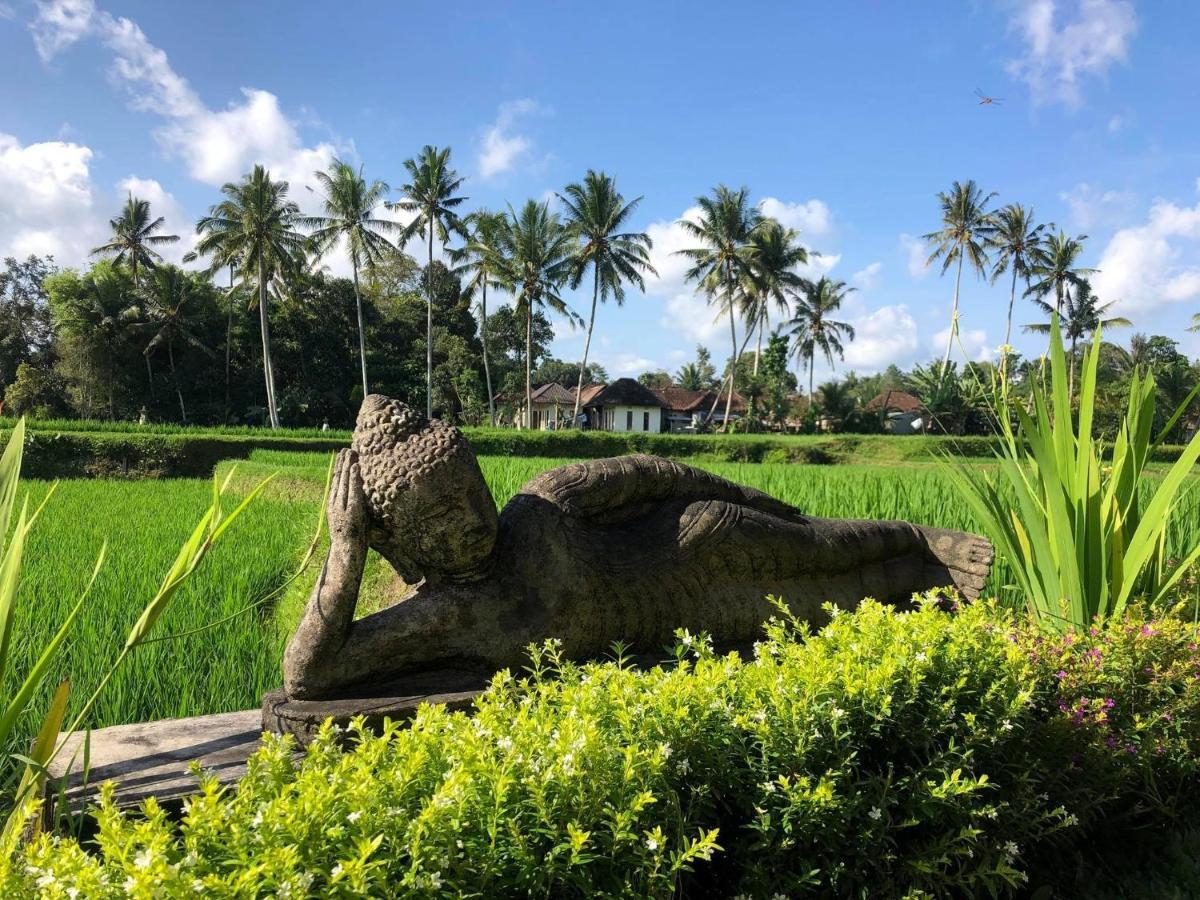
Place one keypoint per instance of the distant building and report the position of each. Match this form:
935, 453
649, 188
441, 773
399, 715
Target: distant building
624, 405
685, 410
903, 413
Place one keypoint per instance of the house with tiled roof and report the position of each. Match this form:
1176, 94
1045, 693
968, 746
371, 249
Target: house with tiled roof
686, 410
904, 413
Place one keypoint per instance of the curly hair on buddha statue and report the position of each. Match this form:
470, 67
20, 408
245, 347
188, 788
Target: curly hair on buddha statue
398, 447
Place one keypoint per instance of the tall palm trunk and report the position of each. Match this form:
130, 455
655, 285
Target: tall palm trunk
812, 365
762, 325
228, 343
429, 329
953, 319
587, 343
175, 379
732, 368
528, 364
362, 341
1012, 298
487, 372
265, 329
150, 378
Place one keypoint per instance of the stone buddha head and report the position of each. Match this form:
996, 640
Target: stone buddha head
431, 514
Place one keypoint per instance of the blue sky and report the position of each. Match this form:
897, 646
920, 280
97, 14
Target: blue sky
844, 121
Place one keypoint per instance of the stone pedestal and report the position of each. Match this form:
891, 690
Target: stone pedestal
397, 701
152, 759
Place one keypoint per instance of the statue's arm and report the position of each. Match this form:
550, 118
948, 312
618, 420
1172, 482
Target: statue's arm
311, 655
624, 486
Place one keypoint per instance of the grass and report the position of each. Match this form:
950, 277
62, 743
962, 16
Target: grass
144, 523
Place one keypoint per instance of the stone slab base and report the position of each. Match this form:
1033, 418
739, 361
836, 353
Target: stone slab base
397, 701
152, 759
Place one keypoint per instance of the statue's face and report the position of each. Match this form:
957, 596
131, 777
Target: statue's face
432, 515
445, 525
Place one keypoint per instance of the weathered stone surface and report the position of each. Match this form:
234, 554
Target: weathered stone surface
397, 701
153, 758
625, 549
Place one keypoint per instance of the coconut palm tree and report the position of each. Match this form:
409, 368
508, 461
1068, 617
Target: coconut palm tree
1017, 243
256, 223
349, 204
134, 239
218, 262
1055, 270
1084, 313
536, 251
597, 213
168, 305
430, 195
100, 316
967, 226
479, 265
721, 267
812, 329
777, 253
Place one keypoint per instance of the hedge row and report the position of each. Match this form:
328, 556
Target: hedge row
68, 454
94, 455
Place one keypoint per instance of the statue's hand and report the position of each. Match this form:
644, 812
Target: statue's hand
346, 511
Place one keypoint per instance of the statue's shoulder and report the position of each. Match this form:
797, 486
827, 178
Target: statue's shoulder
624, 472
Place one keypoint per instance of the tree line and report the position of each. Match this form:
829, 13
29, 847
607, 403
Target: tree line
75, 341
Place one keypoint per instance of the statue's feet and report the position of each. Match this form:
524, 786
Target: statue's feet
966, 557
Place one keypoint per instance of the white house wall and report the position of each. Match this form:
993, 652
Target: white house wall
620, 418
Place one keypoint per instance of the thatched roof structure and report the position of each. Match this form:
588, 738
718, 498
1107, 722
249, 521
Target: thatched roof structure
625, 392
680, 400
895, 401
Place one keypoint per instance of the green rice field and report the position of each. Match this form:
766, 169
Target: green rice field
229, 666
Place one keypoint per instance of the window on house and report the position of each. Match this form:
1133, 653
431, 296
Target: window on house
629, 420
645, 421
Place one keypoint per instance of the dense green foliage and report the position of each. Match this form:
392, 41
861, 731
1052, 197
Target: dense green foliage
1083, 539
892, 754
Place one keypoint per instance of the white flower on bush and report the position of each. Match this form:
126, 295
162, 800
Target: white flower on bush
920, 657
875, 814
666, 751
837, 712
684, 767
434, 881
651, 843
769, 787
505, 743
354, 817
144, 859
1011, 850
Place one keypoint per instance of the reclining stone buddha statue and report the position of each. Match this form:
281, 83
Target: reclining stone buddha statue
626, 549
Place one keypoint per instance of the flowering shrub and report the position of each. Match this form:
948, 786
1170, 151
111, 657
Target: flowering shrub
923, 754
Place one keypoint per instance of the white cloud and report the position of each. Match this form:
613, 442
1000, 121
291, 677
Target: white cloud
916, 254
626, 365
1065, 42
811, 217
59, 24
215, 145
502, 148
1115, 124
867, 278
882, 337
1091, 207
972, 341
47, 200
7, 12
1146, 266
